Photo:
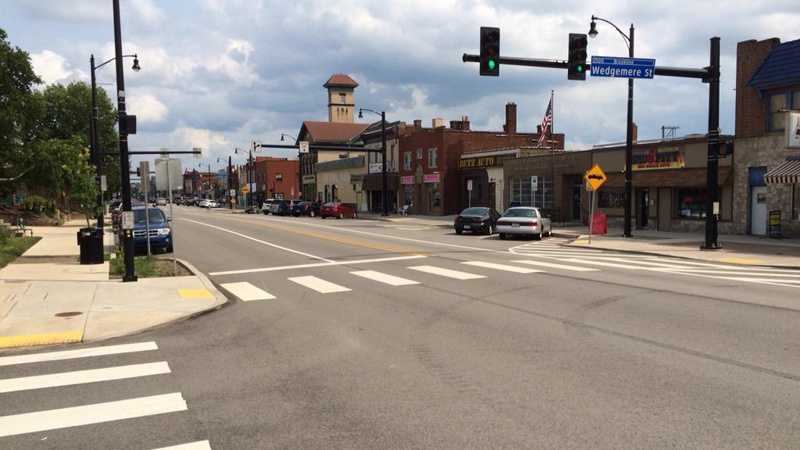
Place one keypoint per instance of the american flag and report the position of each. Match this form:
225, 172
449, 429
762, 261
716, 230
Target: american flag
547, 122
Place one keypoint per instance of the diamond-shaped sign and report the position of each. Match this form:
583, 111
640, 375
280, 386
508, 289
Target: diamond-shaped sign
595, 177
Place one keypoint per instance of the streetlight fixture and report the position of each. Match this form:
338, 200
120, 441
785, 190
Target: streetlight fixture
385, 187
97, 154
628, 38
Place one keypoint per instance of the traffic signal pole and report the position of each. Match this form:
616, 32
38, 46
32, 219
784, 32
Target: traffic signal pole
627, 232
712, 185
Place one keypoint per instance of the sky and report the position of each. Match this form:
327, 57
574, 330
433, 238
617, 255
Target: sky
218, 74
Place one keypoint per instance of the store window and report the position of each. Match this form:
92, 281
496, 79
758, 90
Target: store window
434, 196
432, 158
419, 153
407, 160
610, 198
408, 194
522, 193
692, 203
777, 102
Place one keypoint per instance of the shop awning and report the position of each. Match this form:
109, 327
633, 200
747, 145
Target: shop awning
787, 172
678, 178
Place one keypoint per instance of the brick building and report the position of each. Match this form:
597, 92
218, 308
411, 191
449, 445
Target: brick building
430, 173
767, 85
276, 178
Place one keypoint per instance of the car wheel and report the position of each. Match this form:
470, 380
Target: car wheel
538, 236
169, 248
502, 236
340, 216
459, 230
322, 217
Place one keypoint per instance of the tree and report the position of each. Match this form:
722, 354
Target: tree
17, 80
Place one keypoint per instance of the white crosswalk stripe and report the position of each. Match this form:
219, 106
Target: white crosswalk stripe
555, 265
69, 416
318, 284
247, 292
503, 267
381, 277
447, 273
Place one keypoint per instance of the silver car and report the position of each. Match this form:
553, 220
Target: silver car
523, 220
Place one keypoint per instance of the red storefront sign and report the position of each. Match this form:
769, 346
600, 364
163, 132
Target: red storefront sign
431, 178
408, 179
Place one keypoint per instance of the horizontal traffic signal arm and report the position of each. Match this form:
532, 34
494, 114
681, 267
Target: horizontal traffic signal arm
681, 72
352, 148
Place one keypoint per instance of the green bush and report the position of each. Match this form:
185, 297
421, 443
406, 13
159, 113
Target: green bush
39, 204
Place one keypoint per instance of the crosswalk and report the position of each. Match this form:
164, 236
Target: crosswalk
530, 259
39, 375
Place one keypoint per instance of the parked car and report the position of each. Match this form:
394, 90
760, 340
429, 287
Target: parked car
206, 203
281, 208
266, 206
160, 230
310, 209
161, 201
338, 210
478, 219
523, 220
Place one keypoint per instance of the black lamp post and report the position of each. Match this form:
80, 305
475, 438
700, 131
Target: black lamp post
97, 153
629, 134
385, 188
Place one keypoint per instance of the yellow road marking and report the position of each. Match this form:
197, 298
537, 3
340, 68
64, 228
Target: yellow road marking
64, 337
734, 260
389, 248
195, 294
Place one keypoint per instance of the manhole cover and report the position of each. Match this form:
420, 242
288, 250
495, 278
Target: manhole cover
69, 314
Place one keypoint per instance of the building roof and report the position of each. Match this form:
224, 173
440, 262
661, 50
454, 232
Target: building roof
331, 132
340, 80
780, 69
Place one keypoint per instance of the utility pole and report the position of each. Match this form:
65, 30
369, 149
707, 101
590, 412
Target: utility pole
629, 150
97, 157
712, 187
230, 183
127, 235
384, 176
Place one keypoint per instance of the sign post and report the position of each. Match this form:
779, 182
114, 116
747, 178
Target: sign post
534, 188
469, 193
594, 177
144, 181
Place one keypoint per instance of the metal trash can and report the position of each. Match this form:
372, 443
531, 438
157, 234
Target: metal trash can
90, 240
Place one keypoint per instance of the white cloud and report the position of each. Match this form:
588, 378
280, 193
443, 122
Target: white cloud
147, 108
148, 11
53, 68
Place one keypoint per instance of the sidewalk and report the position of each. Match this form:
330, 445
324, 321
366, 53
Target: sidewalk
431, 221
736, 249
46, 297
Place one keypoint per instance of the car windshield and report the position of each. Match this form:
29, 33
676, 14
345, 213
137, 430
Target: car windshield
156, 216
520, 212
475, 212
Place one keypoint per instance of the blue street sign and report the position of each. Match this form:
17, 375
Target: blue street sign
619, 67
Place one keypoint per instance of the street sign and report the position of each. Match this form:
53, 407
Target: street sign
245, 189
303, 146
595, 177
469, 185
534, 183
619, 67
144, 176
127, 220
103, 183
168, 171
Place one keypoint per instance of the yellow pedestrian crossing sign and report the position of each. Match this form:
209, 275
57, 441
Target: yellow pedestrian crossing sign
595, 177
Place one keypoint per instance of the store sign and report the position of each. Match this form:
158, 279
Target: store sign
408, 179
793, 130
309, 179
431, 178
477, 163
655, 159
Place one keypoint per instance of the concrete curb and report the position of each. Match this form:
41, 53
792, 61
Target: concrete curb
642, 252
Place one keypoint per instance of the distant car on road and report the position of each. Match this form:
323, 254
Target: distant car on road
160, 230
338, 210
281, 208
478, 219
207, 203
266, 206
161, 201
523, 220
310, 209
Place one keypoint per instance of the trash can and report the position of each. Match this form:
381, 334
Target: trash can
90, 240
599, 223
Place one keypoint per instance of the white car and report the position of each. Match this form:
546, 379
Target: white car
523, 220
205, 203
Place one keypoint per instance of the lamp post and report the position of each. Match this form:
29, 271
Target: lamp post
385, 187
97, 154
629, 134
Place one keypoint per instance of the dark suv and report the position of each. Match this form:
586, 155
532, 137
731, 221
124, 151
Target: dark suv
477, 219
160, 231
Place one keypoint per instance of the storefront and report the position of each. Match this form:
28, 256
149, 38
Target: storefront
482, 181
669, 181
423, 192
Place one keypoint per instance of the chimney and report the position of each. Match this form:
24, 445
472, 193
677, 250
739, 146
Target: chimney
417, 123
511, 118
437, 122
455, 124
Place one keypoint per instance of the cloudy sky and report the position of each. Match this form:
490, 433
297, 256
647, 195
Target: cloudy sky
217, 74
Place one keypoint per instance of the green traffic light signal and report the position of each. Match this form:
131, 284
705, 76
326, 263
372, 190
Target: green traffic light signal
491, 64
580, 68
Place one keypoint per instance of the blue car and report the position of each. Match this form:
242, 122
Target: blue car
160, 230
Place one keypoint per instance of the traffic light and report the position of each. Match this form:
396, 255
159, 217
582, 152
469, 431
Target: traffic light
490, 51
576, 69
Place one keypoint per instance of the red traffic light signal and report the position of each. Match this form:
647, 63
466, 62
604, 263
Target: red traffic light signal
490, 52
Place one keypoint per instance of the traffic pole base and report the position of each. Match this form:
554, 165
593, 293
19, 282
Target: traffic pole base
714, 246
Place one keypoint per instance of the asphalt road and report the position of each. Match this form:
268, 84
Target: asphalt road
373, 335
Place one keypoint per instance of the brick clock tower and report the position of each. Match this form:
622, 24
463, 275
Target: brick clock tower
341, 104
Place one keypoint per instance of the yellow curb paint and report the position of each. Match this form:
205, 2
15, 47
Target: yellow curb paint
581, 241
66, 337
741, 260
195, 294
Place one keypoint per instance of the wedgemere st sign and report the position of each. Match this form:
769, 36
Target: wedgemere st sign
619, 67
